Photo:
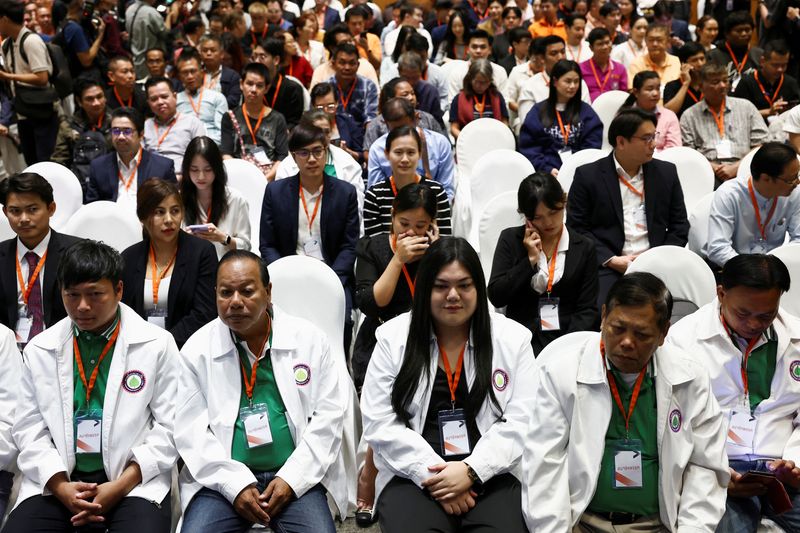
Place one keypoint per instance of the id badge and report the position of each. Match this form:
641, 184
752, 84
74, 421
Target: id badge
158, 317
565, 154
741, 430
312, 248
23, 329
760, 247
453, 433
628, 464
88, 431
261, 156
724, 149
548, 314
256, 425
640, 218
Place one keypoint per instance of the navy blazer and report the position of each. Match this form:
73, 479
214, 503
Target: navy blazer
595, 206
103, 181
51, 295
191, 302
339, 224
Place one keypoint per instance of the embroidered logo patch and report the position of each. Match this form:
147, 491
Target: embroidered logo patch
500, 379
302, 374
794, 370
675, 420
133, 381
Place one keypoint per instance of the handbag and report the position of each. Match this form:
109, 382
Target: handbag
33, 102
247, 156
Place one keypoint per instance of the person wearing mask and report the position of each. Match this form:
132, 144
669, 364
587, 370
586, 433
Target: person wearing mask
207, 105
116, 177
216, 76
356, 95
400, 88
95, 430
769, 88
335, 36
543, 273
602, 74
479, 46
667, 66
627, 202
479, 98
561, 125
346, 134
683, 93
211, 210
31, 299
629, 436
576, 47
123, 91
635, 46
146, 30
549, 24
736, 53
758, 213
445, 458
283, 94
169, 275
645, 94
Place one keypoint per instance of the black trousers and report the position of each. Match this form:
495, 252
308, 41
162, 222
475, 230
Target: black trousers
38, 138
404, 507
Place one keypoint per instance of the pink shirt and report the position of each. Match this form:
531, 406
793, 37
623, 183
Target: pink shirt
617, 78
668, 129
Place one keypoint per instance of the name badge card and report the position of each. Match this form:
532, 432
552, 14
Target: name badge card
256, 425
23, 329
548, 314
724, 149
565, 154
741, 430
261, 156
759, 247
628, 465
88, 431
312, 248
453, 433
158, 317
640, 218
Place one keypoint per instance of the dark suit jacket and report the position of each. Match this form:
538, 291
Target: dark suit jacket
229, 84
339, 225
103, 181
191, 302
51, 295
508, 63
595, 206
510, 285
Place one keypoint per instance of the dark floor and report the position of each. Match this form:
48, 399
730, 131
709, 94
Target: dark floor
349, 526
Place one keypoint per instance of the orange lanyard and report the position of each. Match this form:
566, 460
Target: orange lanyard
344, 101
212, 80
546, 79
277, 90
99, 124
250, 384
564, 130
615, 390
479, 107
719, 118
452, 379
79, 361
552, 268
156, 275
305, 207
455, 55
601, 86
394, 187
774, 94
475, 9
129, 103
572, 53
762, 228
253, 35
258, 124
26, 289
133, 174
635, 53
155, 125
291, 68
750, 345
739, 66
630, 186
410, 281
196, 108
694, 96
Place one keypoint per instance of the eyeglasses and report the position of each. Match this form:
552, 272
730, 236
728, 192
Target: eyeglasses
653, 137
791, 181
317, 153
127, 132
328, 108
256, 56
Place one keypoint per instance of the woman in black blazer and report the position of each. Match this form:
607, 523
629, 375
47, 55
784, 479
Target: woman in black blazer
169, 277
544, 274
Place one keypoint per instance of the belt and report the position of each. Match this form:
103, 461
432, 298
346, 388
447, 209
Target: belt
619, 518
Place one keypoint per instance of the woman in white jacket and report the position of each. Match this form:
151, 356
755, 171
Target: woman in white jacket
446, 401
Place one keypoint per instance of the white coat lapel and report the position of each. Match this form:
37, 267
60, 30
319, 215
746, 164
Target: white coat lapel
290, 374
64, 361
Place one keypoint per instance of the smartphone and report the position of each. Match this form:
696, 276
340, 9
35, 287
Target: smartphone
198, 228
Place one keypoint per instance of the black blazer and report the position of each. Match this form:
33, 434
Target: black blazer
191, 302
230, 88
103, 183
595, 206
51, 295
510, 285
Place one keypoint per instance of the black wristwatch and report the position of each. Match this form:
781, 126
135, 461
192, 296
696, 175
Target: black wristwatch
477, 484
228, 240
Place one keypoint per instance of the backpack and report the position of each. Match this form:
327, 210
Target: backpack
88, 146
61, 79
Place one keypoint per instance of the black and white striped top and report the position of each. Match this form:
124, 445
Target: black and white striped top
378, 208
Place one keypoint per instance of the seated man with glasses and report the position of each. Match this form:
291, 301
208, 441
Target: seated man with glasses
346, 133
116, 176
753, 215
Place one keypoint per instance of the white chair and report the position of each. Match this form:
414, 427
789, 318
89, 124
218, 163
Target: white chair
698, 224
67, 190
694, 173
607, 106
567, 171
498, 214
306, 94
790, 254
478, 138
684, 273
246, 178
744, 164
105, 221
5, 229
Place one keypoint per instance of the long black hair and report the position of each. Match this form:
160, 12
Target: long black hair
417, 356
571, 114
405, 32
449, 40
206, 148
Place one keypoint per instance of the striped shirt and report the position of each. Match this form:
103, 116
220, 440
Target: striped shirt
378, 208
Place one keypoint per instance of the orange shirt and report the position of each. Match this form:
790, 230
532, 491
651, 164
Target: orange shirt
541, 28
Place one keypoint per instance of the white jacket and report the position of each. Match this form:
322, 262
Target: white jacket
702, 334
402, 451
137, 423
210, 390
571, 414
11, 364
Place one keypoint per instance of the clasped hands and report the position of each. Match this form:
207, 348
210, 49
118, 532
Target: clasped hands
451, 487
259, 507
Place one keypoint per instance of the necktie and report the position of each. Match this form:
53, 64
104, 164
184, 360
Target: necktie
35, 308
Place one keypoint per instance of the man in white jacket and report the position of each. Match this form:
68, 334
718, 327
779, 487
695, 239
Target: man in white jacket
11, 365
96, 405
625, 434
751, 349
260, 417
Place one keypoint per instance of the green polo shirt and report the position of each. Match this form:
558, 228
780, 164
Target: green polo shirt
91, 345
269, 457
761, 369
643, 427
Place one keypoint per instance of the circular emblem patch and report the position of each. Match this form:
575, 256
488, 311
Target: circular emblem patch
302, 374
500, 380
675, 420
794, 370
133, 381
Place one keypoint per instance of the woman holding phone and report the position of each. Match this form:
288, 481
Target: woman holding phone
543, 273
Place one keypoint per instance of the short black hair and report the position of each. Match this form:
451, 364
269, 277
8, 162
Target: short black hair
26, 183
416, 42
131, 114
321, 89
258, 69
305, 134
755, 271
14, 10
189, 53
348, 49
539, 188
771, 159
192, 25
357, 11
273, 47
89, 261
82, 85
737, 18
479, 34
511, 9
690, 49
597, 34
776, 46
569, 20
329, 41
638, 289
246, 255
152, 82
540, 45
608, 8
518, 34
627, 122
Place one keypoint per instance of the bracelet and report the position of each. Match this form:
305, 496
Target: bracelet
228, 240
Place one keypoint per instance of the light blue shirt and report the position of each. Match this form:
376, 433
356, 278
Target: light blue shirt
732, 225
440, 160
212, 106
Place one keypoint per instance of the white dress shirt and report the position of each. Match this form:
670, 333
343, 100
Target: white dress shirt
537, 89
626, 52
580, 53
304, 233
129, 172
40, 249
540, 279
636, 240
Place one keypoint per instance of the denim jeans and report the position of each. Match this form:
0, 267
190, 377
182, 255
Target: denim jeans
744, 514
210, 512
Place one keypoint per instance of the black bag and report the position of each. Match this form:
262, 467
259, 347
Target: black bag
30, 104
34, 102
89, 146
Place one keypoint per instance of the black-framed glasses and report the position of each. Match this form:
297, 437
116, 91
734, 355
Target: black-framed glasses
328, 108
317, 153
653, 137
127, 132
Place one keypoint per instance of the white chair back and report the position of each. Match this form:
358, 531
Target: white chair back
306, 94
478, 138
698, 224
790, 255
499, 213
684, 273
67, 190
567, 171
246, 178
744, 164
5, 228
607, 106
694, 173
105, 221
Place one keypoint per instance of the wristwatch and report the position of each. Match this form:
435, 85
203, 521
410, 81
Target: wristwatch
228, 240
473, 476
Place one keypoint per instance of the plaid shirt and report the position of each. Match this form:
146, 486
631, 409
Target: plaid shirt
363, 102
